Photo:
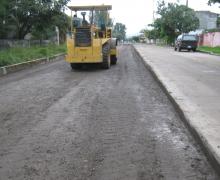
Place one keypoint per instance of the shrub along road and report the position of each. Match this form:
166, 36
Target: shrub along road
94, 124
23, 54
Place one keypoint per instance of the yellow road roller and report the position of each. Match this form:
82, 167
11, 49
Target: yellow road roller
90, 41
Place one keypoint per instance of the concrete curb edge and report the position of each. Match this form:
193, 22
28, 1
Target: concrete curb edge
206, 52
209, 152
20, 66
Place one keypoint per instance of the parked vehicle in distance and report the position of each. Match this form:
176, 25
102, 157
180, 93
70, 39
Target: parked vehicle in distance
186, 41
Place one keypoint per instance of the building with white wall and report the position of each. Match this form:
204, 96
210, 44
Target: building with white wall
207, 19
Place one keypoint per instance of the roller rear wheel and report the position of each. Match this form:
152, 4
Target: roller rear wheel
106, 56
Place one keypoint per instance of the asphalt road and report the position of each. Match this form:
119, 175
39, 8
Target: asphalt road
94, 125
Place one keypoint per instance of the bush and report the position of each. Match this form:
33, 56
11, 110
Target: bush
20, 54
215, 50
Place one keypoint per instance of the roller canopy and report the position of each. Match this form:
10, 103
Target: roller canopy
91, 8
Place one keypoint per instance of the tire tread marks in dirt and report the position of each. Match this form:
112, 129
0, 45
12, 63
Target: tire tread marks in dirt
103, 125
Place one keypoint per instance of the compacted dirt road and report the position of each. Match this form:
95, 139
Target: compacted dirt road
94, 124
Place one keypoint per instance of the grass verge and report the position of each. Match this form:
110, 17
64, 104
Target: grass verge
215, 50
21, 54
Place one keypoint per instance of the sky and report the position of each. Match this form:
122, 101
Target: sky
136, 15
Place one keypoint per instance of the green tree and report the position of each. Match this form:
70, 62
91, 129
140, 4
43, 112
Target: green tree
45, 30
24, 15
213, 1
62, 21
119, 31
3, 18
102, 17
174, 19
135, 38
151, 33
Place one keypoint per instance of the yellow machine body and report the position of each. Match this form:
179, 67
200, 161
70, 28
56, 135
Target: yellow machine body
91, 54
90, 51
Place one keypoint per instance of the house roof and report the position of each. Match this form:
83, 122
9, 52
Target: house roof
207, 12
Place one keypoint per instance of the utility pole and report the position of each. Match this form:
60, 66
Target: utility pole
187, 3
58, 35
153, 11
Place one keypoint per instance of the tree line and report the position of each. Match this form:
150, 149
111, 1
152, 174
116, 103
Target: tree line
213, 1
39, 18
173, 19
118, 29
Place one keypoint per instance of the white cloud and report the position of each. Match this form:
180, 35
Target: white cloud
136, 15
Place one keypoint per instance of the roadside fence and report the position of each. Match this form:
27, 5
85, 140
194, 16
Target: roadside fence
10, 43
211, 39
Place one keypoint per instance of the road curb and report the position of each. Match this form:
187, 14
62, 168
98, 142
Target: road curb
20, 66
206, 52
207, 149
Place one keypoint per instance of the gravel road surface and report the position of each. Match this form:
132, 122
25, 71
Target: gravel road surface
94, 124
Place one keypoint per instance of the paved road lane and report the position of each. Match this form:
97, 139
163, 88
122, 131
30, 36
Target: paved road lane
94, 124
